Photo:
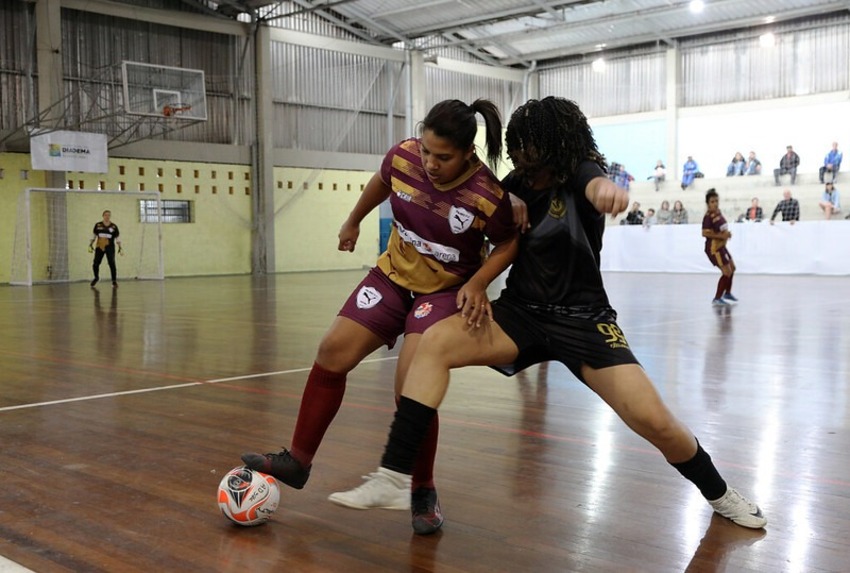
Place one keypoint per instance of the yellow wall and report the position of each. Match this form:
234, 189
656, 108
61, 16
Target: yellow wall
307, 220
310, 207
17, 175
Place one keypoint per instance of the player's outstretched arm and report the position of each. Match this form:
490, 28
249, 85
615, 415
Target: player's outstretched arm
606, 196
375, 193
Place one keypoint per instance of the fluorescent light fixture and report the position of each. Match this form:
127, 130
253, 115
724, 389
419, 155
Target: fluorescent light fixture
696, 6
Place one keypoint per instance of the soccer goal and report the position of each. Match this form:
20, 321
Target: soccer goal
54, 228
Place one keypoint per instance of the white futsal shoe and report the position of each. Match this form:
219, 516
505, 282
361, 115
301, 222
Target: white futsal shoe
383, 489
739, 509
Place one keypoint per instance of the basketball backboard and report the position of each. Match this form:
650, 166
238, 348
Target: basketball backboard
164, 91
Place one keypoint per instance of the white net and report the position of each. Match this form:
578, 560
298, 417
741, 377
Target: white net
54, 227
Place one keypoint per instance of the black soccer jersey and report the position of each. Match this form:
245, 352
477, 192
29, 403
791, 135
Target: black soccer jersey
558, 261
105, 234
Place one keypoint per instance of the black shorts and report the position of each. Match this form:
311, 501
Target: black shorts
572, 338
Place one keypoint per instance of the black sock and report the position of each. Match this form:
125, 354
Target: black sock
407, 432
701, 472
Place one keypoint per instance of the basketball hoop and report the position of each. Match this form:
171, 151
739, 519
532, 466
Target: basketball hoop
170, 110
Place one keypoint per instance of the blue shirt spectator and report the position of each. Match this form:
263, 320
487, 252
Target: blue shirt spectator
737, 166
753, 166
830, 201
831, 163
689, 172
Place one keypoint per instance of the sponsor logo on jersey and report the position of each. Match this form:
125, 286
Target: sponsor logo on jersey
423, 310
368, 297
460, 219
440, 252
557, 208
404, 196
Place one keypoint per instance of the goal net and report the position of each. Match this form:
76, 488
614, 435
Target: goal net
53, 230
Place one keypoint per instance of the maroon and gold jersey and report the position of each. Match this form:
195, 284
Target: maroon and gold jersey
437, 238
716, 223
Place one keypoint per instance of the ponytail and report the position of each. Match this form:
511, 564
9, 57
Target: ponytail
455, 121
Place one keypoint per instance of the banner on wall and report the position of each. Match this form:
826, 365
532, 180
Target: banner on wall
69, 151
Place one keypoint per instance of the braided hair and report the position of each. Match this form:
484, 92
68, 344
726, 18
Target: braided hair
452, 119
554, 132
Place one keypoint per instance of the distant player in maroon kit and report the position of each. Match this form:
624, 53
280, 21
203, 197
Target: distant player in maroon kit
715, 229
445, 201
104, 238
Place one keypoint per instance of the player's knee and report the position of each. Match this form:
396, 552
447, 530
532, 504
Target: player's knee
334, 352
439, 345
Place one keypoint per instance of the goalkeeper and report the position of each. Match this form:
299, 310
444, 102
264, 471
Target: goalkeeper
104, 238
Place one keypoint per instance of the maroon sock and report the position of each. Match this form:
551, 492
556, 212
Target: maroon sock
423, 469
721, 286
319, 405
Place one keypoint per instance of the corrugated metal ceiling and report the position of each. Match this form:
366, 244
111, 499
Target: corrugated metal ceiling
518, 32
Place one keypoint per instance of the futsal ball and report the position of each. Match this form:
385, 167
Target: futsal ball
248, 497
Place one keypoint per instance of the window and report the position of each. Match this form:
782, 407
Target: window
172, 211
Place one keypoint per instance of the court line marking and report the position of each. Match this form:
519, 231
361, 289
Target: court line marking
172, 387
8, 566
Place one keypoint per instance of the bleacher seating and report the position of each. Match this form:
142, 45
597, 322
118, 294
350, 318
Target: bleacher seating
736, 194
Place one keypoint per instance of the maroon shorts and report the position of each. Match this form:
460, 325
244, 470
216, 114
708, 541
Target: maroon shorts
720, 258
389, 310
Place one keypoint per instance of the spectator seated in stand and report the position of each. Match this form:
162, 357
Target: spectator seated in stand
737, 166
634, 216
689, 172
830, 202
679, 214
664, 215
788, 165
831, 164
650, 218
753, 166
754, 213
618, 174
658, 174
789, 207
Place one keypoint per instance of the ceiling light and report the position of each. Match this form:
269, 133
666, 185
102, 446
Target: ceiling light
598, 65
767, 40
696, 6
770, 20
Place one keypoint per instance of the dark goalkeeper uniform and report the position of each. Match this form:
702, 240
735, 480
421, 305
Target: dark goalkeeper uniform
554, 305
104, 244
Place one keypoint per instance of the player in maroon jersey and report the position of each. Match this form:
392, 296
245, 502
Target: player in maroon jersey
554, 307
445, 201
716, 231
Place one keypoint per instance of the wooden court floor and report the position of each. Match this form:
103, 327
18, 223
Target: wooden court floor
121, 410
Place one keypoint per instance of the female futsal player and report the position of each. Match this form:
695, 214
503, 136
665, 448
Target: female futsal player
554, 307
445, 201
716, 231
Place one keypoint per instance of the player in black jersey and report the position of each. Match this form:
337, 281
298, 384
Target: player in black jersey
554, 306
104, 238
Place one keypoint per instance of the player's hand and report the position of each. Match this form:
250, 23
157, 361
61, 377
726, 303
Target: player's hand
120, 251
91, 248
606, 196
473, 303
520, 210
348, 235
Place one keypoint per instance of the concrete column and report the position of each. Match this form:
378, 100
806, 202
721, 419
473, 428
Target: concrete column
262, 160
48, 48
416, 106
673, 82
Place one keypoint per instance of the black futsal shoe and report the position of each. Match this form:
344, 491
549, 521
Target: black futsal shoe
425, 510
282, 466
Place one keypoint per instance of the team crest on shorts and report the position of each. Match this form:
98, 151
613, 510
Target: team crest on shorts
423, 310
368, 297
460, 219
